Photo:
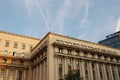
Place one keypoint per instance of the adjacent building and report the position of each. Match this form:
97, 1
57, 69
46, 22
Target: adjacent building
55, 55
112, 40
15, 51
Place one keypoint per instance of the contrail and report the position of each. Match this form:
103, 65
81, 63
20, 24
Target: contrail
42, 15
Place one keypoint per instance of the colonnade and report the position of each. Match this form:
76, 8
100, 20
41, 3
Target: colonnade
89, 70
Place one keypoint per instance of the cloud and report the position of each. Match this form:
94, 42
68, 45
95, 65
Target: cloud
63, 13
84, 20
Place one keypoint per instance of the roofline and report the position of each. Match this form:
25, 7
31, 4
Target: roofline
74, 39
19, 35
83, 40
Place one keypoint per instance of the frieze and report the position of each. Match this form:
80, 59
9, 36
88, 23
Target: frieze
85, 46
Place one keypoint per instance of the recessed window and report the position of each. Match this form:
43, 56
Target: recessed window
7, 44
22, 62
22, 54
60, 50
69, 51
15, 45
14, 53
31, 47
13, 61
4, 61
77, 53
6, 52
23, 46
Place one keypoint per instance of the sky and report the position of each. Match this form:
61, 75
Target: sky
89, 20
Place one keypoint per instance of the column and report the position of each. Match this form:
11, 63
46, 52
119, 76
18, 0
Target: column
90, 72
66, 66
7, 71
82, 70
116, 73
36, 72
16, 74
104, 72
24, 74
30, 73
97, 72
74, 64
63, 67
56, 69
40, 71
44, 70
110, 72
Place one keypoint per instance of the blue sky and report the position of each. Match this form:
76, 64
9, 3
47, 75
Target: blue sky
89, 20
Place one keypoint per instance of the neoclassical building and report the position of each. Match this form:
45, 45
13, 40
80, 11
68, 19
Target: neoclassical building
55, 55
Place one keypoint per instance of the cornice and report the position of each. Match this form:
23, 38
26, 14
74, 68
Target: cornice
19, 35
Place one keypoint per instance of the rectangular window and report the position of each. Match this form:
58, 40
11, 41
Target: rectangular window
60, 50
69, 51
22, 62
77, 53
14, 53
23, 46
31, 47
6, 52
15, 45
13, 61
22, 54
7, 44
4, 61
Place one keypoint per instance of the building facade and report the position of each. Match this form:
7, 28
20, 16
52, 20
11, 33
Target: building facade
15, 51
55, 55
112, 40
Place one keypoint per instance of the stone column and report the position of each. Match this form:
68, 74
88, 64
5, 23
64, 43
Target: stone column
66, 66
116, 73
36, 72
40, 71
111, 72
104, 72
63, 67
16, 74
90, 72
56, 69
24, 74
7, 72
97, 72
82, 69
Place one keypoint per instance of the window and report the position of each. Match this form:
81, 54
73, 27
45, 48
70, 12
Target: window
4, 61
14, 53
23, 46
13, 61
69, 51
31, 47
15, 45
6, 52
22, 54
60, 50
22, 62
7, 44
77, 53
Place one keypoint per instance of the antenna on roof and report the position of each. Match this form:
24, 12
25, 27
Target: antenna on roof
118, 25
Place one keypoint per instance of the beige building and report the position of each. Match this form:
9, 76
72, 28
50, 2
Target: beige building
15, 51
55, 55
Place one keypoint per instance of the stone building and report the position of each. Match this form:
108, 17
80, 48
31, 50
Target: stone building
56, 54
15, 51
